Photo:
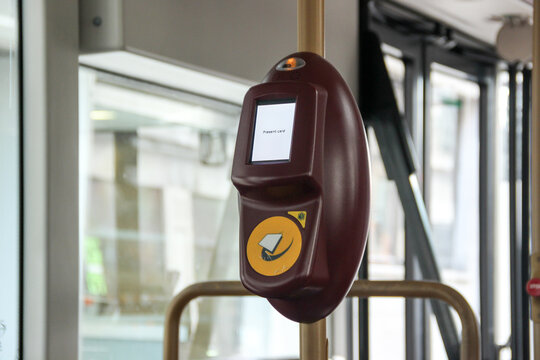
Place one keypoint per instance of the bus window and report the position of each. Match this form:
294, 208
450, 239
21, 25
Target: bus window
159, 213
452, 181
386, 244
10, 182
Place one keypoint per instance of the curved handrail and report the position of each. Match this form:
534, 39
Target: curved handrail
470, 338
470, 344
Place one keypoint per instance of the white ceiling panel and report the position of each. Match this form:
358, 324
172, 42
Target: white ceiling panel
473, 17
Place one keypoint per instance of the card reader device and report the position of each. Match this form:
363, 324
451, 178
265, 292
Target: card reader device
301, 167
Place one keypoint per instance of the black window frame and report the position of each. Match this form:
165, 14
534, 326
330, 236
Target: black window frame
420, 49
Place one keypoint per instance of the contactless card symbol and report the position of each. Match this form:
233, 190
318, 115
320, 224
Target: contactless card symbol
274, 246
269, 244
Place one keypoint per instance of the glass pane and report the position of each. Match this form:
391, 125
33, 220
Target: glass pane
159, 213
386, 242
502, 231
452, 183
9, 180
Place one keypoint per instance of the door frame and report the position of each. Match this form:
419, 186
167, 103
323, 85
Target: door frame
50, 164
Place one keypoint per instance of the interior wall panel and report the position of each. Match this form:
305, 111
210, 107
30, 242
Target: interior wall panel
240, 38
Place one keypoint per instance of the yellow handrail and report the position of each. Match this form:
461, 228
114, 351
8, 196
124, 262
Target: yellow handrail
470, 344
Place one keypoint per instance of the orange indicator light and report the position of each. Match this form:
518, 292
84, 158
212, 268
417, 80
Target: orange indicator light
291, 63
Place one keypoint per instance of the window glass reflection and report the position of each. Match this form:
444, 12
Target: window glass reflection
386, 244
452, 183
9, 180
501, 276
159, 213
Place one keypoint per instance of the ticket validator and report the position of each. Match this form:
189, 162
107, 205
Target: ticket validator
301, 167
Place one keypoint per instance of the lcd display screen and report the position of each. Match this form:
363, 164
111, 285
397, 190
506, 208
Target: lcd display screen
272, 137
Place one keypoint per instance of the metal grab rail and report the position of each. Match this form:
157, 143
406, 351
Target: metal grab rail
470, 344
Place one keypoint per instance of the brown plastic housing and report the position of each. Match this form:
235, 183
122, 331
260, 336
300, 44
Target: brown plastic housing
328, 176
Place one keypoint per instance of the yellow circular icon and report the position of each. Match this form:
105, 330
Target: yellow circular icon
274, 246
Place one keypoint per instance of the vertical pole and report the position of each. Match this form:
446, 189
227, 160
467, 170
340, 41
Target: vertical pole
363, 311
487, 213
535, 183
313, 343
311, 26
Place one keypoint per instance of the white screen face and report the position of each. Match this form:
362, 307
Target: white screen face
273, 132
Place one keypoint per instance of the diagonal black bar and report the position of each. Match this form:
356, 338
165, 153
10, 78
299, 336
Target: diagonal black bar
379, 110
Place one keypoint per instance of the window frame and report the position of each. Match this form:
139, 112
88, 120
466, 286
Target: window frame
418, 55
